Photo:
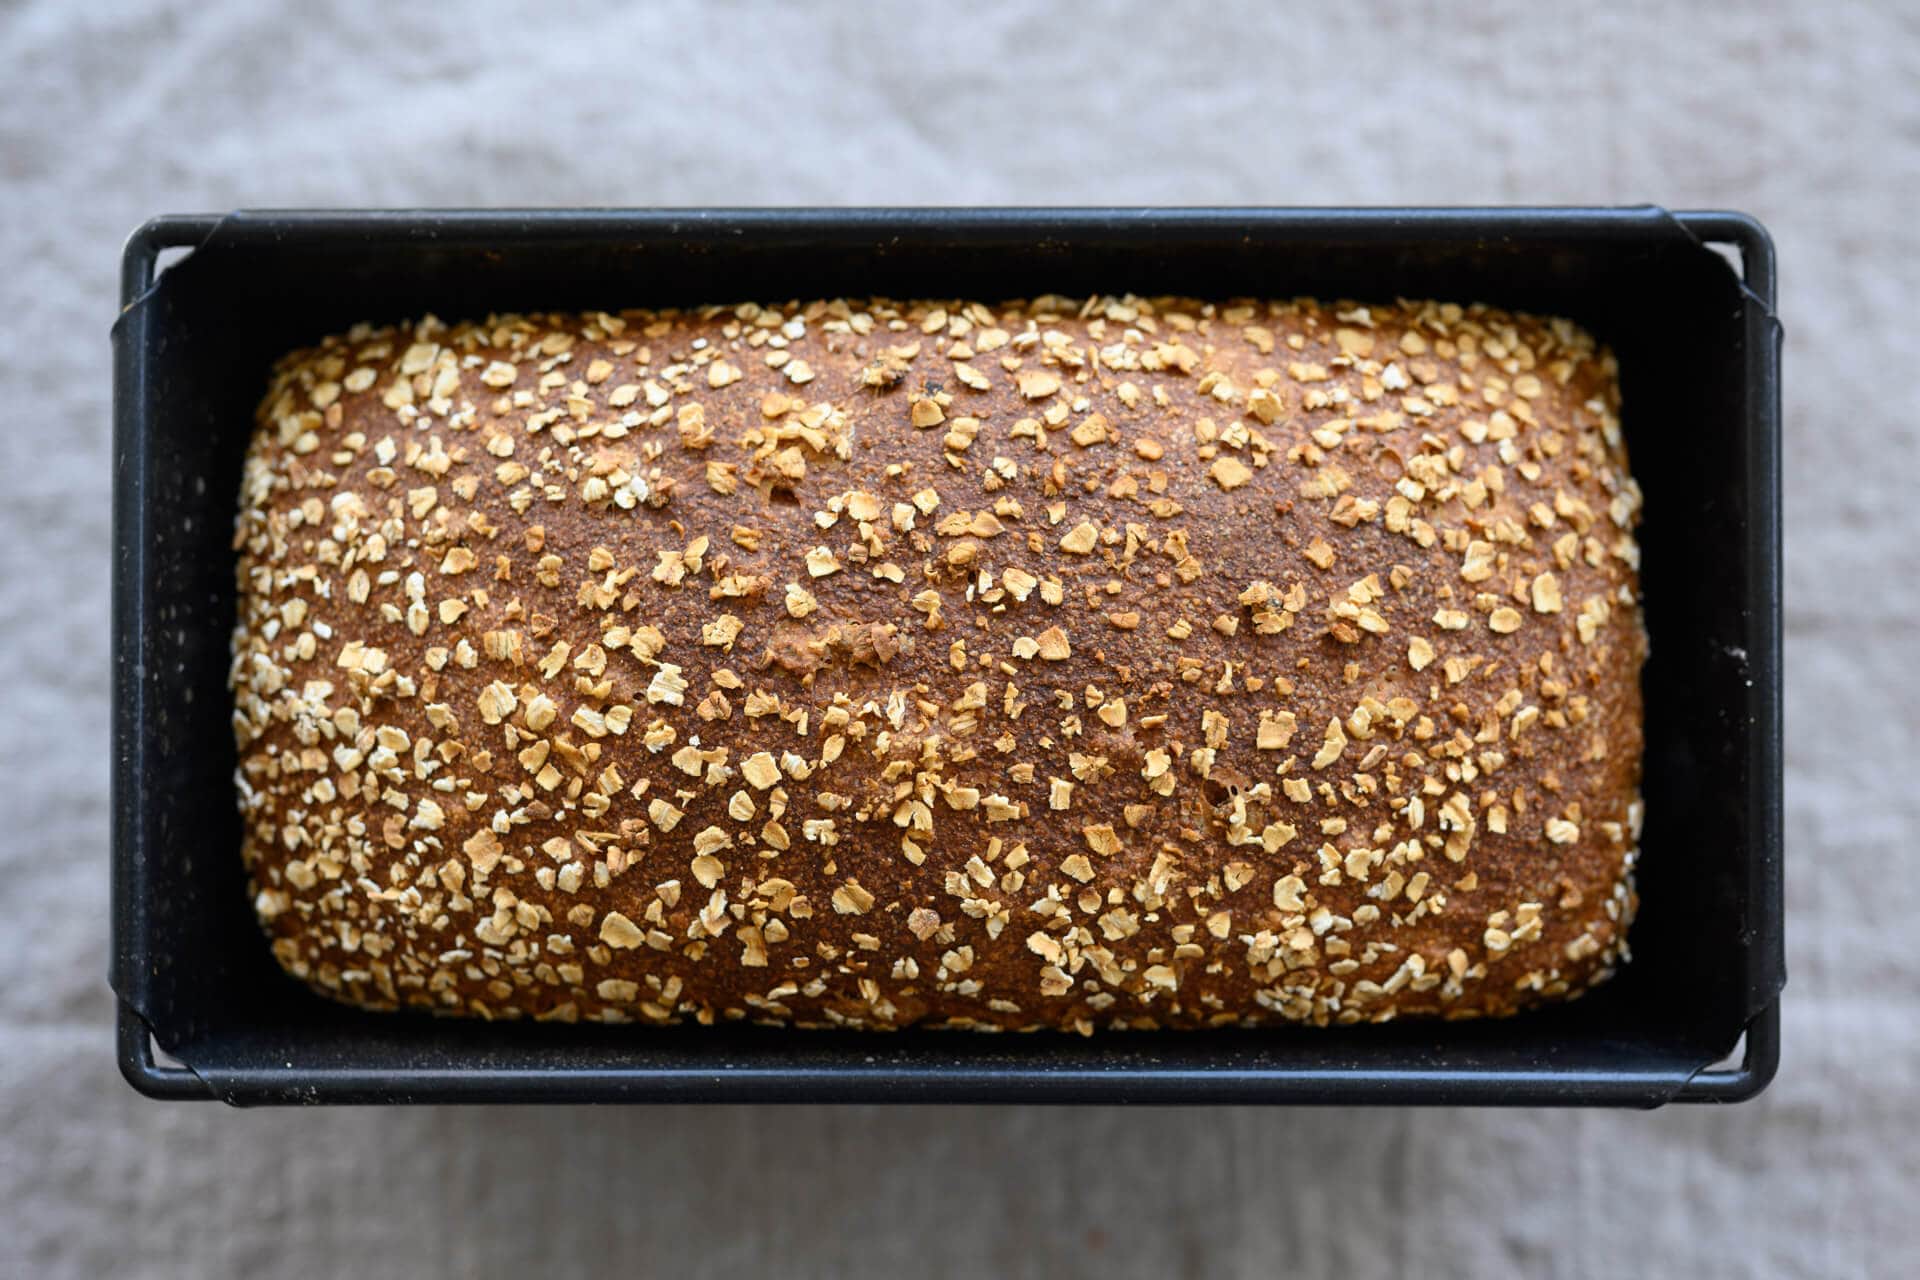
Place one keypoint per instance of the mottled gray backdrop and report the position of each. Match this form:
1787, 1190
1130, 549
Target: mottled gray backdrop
1807, 115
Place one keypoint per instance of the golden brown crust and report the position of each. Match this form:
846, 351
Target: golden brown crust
1056, 664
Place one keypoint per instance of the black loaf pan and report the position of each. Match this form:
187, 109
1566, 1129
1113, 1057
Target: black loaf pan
1686, 300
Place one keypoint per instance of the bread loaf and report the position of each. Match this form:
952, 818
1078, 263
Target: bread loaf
1057, 664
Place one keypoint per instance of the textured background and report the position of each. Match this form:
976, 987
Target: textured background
1806, 115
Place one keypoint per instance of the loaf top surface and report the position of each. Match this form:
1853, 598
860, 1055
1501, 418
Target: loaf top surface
1062, 663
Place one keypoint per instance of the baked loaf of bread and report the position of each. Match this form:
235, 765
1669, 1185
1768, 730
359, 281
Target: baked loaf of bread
1055, 664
